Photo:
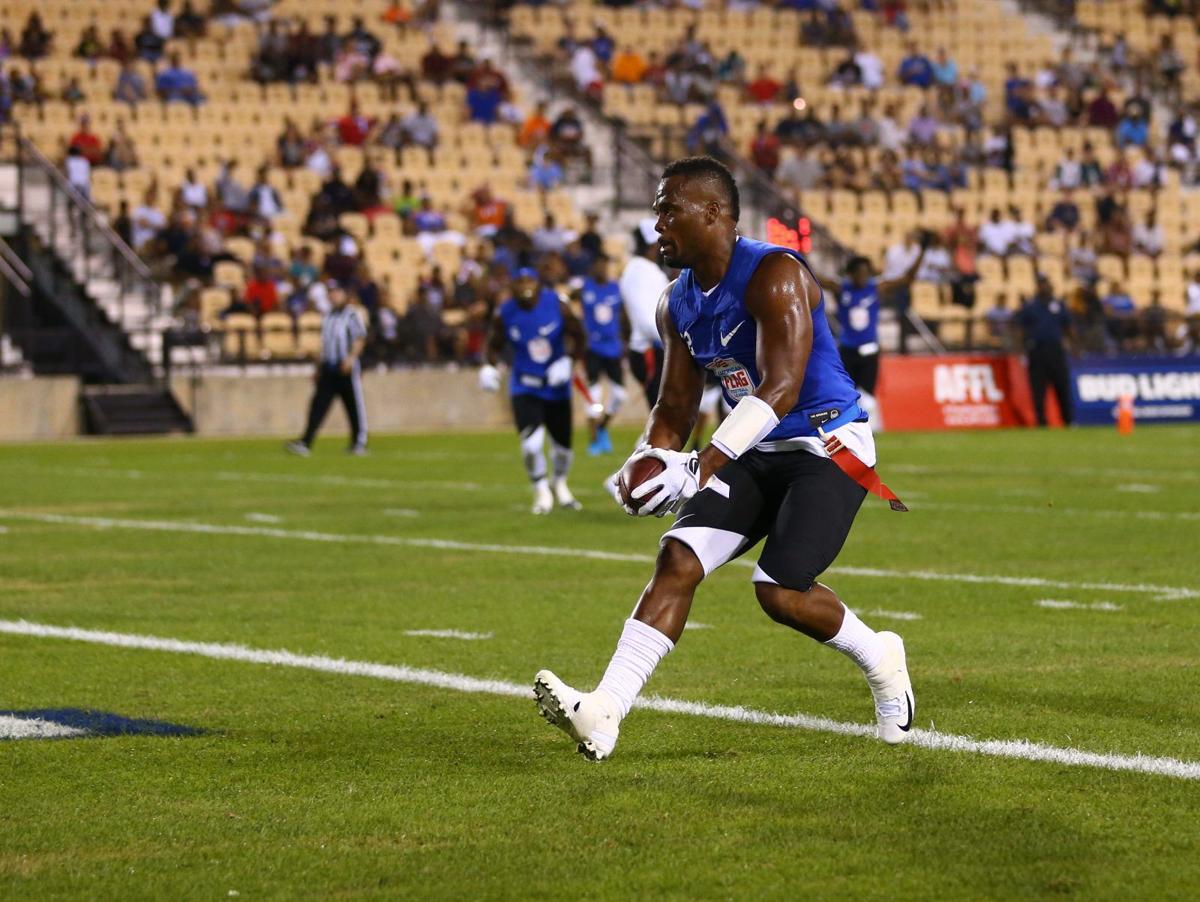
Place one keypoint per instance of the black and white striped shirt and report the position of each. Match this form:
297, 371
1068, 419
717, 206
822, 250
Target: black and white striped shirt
339, 331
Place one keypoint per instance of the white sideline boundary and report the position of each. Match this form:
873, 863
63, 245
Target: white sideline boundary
927, 739
1166, 593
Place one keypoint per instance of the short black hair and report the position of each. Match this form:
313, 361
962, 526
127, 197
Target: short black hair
708, 168
855, 262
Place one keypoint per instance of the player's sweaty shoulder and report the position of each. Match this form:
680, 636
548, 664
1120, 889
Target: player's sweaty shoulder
781, 282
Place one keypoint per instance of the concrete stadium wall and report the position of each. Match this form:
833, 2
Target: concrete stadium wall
38, 409
419, 400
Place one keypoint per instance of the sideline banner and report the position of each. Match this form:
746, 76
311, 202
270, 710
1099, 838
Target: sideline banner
956, 391
1164, 389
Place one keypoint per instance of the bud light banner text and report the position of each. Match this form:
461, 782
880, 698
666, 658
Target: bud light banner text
1163, 389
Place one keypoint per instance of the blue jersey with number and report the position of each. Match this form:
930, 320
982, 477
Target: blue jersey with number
536, 336
858, 314
602, 317
723, 338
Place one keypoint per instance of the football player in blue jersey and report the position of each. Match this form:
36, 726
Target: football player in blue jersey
791, 464
546, 339
858, 298
603, 319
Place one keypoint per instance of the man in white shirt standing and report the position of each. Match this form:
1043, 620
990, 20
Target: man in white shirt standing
642, 283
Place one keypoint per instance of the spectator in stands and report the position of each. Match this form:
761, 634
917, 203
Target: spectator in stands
485, 91
388, 74
263, 201
329, 42
1102, 112
764, 89
1122, 315
1064, 215
1148, 237
354, 128
123, 223
421, 128
628, 66
1069, 172
406, 201
262, 293
289, 146
1133, 127
89, 47
370, 189
192, 192
1114, 235
996, 236
271, 62
847, 74
1051, 110
1082, 259
79, 171
1090, 173
178, 84
1146, 172
131, 87
545, 174
566, 137
436, 66
1154, 325
162, 20
923, 128
426, 219
119, 47
945, 70
391, 133
189, 23
148, 44
536, 127
231, 195
550, 237
764, 149
35, 39
961, 241
362, 38
487, 213
462, 64
1170, 67
337, 193
915, 69
999, 320
87, 142
708, 132
146, 220
301, 275
122, 152
72, 93
351, 64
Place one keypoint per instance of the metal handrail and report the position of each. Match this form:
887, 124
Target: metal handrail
89, 210
10, 258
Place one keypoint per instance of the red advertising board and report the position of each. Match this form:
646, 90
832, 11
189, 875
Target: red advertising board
969, 391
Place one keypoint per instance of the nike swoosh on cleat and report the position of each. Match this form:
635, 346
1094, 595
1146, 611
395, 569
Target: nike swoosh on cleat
908, 701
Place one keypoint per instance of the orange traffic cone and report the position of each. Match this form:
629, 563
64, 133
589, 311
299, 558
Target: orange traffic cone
1125, 415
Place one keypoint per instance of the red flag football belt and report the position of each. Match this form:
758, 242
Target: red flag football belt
850, 464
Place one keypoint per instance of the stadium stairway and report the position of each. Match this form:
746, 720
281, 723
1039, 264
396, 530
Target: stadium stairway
132, 410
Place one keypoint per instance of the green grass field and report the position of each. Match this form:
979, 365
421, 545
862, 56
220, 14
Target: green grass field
310, 783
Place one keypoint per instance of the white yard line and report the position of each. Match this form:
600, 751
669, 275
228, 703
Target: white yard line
449, 634
1139, 488
1062, 605
255, 517
889, 615
1100, 513
928, 739
697, 625
400, 512
1171, 593
1046, 472
35, 728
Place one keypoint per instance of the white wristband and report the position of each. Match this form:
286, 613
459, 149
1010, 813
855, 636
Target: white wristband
750, 422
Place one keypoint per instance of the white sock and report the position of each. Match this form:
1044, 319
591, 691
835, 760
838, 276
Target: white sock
639, 650
541, 486
858, 642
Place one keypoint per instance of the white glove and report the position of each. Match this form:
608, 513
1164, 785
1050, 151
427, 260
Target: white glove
559, 372
670, 489
489, 378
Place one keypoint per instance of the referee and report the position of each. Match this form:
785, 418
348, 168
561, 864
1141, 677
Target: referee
343, 337
1047, 328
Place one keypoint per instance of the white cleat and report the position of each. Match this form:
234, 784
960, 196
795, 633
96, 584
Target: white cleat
543, 501
895, 704
590, 719
563, 496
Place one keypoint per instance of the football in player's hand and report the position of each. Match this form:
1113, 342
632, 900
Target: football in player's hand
633, 474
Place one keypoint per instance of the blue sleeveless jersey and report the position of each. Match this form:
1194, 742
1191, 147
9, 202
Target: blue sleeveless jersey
723, 338
536, 337
602, 317
858, 314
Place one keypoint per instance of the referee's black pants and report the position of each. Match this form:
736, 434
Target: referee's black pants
1048, 366
333, 383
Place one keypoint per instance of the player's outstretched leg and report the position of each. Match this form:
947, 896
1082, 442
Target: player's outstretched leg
561, 458
593, 719
820, 614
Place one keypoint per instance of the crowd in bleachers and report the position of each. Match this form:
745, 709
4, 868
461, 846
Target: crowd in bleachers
875, 117
388, 158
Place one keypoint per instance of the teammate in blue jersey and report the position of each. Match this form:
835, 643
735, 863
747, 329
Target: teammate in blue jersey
546, 339
857, 300
603, 319
791, 463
